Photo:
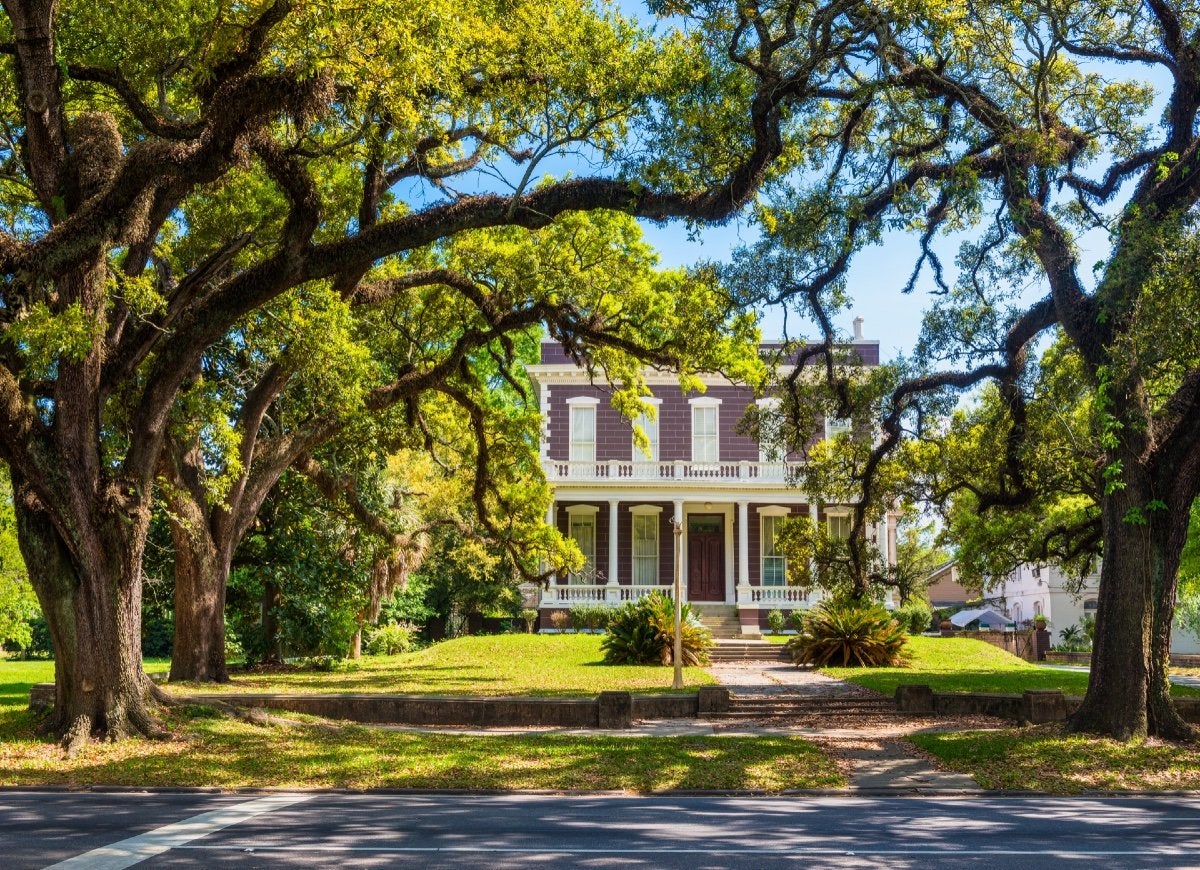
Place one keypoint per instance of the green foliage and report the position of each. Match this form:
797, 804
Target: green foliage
643, 632
1073, 639
915, 616
18, 604
845, 634
530, 616
775, 621
389, 639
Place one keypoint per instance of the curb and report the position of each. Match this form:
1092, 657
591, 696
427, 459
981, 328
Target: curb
854, 793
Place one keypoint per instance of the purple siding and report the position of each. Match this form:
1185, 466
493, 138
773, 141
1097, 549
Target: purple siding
666, 541
614, 434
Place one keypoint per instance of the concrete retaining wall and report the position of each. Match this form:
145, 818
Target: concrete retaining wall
1035, 706
1179, 660
1030, 645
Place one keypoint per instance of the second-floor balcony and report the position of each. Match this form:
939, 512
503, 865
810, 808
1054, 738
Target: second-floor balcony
672, 472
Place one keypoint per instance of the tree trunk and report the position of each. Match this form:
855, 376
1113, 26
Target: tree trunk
272, 653
356, 643
92, 606
1128, 692
201, 577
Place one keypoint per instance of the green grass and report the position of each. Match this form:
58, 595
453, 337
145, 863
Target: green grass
209, 749
548, 665
956, 664
216, 751
1045, 759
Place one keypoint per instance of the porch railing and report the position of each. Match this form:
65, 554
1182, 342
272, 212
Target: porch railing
667, 472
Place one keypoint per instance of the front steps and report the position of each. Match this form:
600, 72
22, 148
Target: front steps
795, 707
737, 650
721, 619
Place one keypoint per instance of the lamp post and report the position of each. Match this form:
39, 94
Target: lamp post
678, 657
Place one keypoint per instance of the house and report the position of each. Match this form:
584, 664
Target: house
1033, 590
944, 589
726, 492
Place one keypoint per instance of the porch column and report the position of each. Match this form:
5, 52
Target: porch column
743, 525
552, 522
612, 541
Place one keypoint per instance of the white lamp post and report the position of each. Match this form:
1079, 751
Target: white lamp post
678, 684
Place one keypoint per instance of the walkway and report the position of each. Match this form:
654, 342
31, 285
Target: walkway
872, 747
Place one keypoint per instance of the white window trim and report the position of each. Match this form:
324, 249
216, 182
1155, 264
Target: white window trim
775, 512
585, 402
645, 510
590, 511
637, 455
830, 428
770, 403
706, 402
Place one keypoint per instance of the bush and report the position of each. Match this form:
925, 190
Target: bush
775, 621
558, 619
390, 639
847, 635
643, 632
579, 617
915, 617
530, 616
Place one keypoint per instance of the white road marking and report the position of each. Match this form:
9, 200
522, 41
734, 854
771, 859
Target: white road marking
126, 853
797, 852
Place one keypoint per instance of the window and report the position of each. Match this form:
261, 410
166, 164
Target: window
648, 426
774, 563
645, 549
835, 426
582, 530
770, 431
705, 444
1091, 606
839, 527
583, 431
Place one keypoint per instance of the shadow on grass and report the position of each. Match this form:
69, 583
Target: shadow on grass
227, 754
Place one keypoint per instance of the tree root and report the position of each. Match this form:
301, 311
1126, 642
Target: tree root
77, 735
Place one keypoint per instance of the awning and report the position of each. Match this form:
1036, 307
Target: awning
986, 616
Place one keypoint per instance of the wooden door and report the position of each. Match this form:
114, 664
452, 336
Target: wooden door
706, 560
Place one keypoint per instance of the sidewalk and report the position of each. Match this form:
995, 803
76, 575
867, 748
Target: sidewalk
872, 747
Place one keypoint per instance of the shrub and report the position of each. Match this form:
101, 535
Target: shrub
847, 635
530, 616
601, 617
915, 617
389, 639
579, 617
775, 621
558, 619
643, 632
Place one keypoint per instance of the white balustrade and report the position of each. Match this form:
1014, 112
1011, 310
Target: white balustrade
764, 597
565, 596
677, 471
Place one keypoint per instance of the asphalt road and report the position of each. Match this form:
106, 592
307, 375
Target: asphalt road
109, 831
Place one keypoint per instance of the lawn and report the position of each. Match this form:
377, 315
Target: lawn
1045, 759
210, 749
504, 664
957, 664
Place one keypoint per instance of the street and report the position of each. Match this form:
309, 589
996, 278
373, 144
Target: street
110, 831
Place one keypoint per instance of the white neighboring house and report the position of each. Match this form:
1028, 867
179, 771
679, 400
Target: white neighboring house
1043, 590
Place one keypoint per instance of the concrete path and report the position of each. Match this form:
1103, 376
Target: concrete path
1177, 679
765, 679
871, 747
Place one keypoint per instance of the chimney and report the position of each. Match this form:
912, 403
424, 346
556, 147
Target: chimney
858, 322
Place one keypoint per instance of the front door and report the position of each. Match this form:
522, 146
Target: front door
706, 558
